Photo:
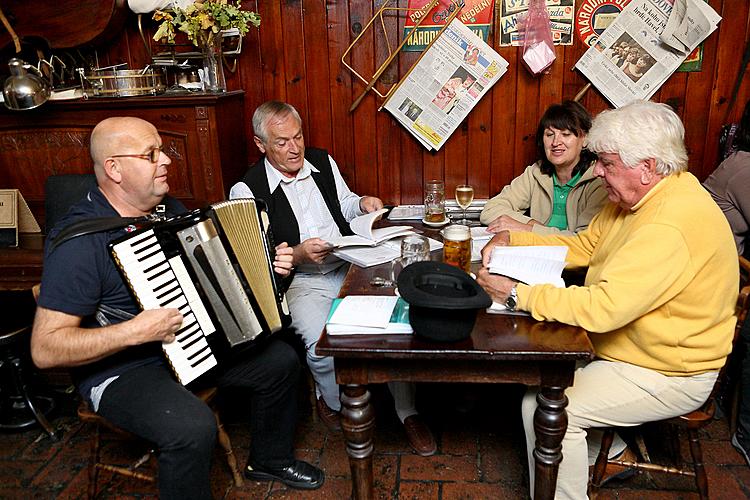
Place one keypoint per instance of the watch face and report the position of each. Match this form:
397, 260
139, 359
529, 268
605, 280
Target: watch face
510, 303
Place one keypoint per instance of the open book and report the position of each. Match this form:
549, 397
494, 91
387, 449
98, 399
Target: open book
533, 265
365, 235
379, 254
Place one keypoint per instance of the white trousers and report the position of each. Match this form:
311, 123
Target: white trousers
310, 297
607, 394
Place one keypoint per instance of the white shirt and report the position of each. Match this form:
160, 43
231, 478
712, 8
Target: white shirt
309, 207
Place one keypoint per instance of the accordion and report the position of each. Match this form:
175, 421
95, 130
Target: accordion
216, 266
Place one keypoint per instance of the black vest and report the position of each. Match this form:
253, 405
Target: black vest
284, 224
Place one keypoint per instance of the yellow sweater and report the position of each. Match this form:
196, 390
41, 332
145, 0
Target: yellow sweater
661, 285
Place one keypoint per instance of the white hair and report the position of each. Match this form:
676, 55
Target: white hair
268, 110
639, 131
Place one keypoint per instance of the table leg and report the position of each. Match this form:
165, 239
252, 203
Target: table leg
358, 424
550, 424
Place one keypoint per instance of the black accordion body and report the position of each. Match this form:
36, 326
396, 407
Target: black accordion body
216, 266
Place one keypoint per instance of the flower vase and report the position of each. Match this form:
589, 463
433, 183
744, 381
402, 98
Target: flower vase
213, 69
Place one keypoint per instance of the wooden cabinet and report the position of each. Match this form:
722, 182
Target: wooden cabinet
204, 135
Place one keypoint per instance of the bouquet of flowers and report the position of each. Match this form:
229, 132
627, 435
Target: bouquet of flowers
203, 20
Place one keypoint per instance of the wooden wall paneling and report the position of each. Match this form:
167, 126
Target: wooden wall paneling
364, 132
528, 113
272, 51
455, 157
295, 46
318, 78
340, 82
728, 57
249, 70
389, 131
504, 117
417, 163
479, 148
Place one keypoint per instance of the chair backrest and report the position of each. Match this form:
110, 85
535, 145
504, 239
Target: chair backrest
61, 192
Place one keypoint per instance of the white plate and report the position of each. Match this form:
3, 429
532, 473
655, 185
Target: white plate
436, 224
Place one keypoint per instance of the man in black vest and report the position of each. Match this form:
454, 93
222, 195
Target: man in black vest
309, 203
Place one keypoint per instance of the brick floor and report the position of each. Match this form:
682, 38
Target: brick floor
480, 455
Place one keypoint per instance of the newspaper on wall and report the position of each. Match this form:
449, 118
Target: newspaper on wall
645, 44
512, 12
446, 83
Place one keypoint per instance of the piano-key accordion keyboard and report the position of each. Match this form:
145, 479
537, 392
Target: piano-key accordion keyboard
216, 266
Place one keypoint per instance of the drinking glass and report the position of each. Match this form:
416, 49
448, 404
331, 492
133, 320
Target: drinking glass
464, 197
434, 202
457, 246
414, 248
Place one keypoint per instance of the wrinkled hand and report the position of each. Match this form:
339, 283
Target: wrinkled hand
508, 223
154, 325
312, 250
497, 286
283, 262
501, 239
369, 204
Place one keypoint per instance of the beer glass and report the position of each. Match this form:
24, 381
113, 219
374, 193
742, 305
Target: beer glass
457, 246
434, 202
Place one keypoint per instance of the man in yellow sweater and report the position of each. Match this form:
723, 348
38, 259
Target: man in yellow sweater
658, 299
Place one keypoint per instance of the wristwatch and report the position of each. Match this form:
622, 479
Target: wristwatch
512, 301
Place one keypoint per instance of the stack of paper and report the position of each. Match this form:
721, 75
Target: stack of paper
368, 314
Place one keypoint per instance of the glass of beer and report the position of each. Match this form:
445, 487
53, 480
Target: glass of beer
434, 202
457, 246
464, 197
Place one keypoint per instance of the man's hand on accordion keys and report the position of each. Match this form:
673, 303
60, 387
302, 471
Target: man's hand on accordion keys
283, 261
154, 325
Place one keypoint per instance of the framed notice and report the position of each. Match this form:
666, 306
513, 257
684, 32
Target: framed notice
15, 217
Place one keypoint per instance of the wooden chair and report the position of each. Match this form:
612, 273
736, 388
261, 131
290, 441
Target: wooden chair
690, 423
87, 415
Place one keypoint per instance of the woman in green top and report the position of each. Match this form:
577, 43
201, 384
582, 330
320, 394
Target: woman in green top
559, 193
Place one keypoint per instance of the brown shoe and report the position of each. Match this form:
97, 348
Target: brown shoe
330, 418
419, 435
620, 472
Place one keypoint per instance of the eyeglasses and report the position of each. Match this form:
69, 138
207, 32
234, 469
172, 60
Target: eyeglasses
152, 156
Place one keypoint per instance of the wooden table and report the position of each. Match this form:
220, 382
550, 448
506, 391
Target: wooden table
502, 349
21, 266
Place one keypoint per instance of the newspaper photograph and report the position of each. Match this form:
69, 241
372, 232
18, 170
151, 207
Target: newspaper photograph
645, 44
561, 13
446, 83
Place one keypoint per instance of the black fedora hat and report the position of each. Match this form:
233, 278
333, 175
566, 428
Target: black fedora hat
443, 300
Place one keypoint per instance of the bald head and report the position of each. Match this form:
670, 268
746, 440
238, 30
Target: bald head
113, 136
128, 174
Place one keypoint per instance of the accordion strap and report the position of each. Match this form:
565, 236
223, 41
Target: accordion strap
97, 225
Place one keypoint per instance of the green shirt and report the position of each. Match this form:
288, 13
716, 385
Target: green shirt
559, 217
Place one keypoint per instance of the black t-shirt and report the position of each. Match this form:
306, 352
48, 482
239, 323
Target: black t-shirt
79, 275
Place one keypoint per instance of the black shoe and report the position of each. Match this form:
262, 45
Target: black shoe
300, 475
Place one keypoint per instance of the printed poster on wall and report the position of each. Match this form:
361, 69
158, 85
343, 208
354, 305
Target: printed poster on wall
561, 14
594, 16
476, 14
